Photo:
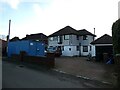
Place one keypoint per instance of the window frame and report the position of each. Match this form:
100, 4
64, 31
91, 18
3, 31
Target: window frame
85, 50
66, 38
77, 48
77, 37
85, 37
55, 38
90, 48
51, 38
62, 48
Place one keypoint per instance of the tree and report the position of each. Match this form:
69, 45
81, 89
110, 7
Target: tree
116, 47
116, 36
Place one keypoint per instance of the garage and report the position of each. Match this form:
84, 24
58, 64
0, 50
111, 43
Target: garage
103, 47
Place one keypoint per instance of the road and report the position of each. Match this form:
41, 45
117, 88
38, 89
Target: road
15, 76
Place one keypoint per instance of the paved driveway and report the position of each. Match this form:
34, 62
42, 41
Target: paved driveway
80, 67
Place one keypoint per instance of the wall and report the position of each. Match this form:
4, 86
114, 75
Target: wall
72, 41
41, 61
87, 43
67, 52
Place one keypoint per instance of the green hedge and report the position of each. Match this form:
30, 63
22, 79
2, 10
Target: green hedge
116, 37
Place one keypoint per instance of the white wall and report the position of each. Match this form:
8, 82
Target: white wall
87, 43
93, 51
67, 52
72, 41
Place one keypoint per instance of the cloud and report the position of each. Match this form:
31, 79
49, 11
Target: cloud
13, 3
37, 9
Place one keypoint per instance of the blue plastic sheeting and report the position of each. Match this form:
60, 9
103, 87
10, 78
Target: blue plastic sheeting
32, 48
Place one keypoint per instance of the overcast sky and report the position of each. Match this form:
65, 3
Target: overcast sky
48, 16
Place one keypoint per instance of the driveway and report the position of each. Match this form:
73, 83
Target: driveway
80, 67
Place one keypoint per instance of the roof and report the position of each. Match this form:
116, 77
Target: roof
85, 32
69, 30
65, 31
3, 43
14, 39
105, 39
39, 36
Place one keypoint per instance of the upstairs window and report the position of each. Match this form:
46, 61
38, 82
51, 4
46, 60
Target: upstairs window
62, 48
77, 37
66, 37
85, 37
51, 38
55, 38
90, 48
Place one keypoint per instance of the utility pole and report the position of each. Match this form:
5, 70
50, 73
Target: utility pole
8, 36
9, 30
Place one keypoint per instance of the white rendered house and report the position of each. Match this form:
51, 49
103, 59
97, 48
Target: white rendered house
72, 42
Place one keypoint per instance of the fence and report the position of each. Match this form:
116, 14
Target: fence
48, 61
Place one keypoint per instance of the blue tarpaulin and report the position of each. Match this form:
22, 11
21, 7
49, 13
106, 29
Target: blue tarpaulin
32, 48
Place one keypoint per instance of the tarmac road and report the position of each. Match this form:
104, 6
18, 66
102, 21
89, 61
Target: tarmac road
14, 76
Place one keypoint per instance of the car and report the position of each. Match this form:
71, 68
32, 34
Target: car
55, 50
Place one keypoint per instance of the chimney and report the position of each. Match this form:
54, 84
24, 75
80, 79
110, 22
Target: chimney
94, 30
94, 34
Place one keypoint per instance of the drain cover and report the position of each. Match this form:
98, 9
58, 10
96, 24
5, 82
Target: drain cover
21, 65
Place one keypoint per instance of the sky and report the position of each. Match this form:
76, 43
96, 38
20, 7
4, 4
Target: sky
49, 16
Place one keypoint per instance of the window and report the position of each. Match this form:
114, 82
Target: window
37, 40
85, 37
59, 39
85, 48
77, 37
90, 48
77, 48
55, 38
62, 48
66, 37
51, 38
31, 44
69, 49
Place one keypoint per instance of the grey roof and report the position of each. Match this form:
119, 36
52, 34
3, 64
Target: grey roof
39, 36
85, 32
105, 39
64, 31
69, 30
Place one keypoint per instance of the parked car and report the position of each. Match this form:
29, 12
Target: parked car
55, 50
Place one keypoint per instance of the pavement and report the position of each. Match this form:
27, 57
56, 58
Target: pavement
80, 67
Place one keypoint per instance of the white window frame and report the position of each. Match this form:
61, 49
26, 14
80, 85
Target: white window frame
84, 49
66, 37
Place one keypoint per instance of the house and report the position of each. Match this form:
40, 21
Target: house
103, 45
72, 42
3, 47
37, 37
